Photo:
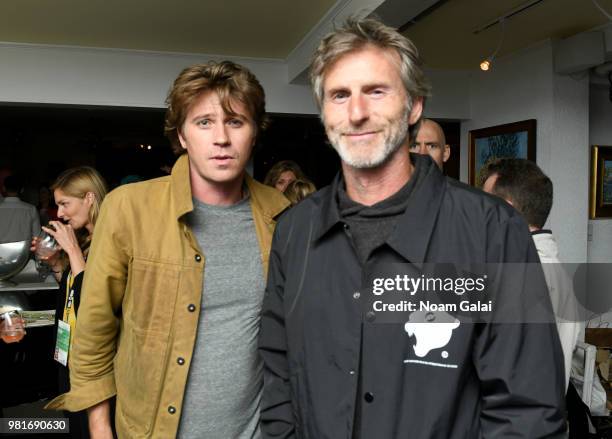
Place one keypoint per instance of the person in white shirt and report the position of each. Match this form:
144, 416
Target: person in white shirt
19, 220
523, 185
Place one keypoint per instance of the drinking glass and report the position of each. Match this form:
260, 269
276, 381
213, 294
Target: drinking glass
46, 246
12, 327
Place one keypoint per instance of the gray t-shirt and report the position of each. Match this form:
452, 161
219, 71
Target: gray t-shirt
225, 380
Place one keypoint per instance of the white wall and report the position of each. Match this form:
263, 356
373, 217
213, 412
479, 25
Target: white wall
450, 97
568, 166
85, 76
516, 88
600, 133
70, 75
523, 86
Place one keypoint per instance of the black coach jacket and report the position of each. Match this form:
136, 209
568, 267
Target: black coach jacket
317, 341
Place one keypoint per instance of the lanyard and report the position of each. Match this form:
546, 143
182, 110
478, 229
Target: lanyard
65, 326
69, 316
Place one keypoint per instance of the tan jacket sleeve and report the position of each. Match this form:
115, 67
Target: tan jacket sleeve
94, 341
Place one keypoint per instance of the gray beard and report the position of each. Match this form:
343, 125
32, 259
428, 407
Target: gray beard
390, 145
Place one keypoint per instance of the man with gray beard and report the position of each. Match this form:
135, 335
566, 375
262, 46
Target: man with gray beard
332, 369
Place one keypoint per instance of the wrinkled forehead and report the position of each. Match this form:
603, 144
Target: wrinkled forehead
360, 63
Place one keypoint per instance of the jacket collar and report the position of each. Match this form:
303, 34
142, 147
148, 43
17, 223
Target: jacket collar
181, 187
412, 233
330, 214
269, 202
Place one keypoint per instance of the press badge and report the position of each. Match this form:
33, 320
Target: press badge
62, 345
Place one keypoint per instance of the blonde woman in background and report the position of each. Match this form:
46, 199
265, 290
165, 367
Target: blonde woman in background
78, 193
283, 173
297, 190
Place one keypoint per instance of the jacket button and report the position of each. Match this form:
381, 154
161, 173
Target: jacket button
351, 372
356, 295
346, 226
198, 258
370, 316
171, 410
369, 397
180, 361
191, 307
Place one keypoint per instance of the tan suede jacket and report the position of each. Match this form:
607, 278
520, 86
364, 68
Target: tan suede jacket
140, 302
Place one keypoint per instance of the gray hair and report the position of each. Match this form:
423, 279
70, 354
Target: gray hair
354, 35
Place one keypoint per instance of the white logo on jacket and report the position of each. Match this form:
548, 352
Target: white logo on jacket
432, 330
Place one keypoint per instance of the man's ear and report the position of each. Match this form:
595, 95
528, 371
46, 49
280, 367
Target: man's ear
181, 139
446, 154
416, 111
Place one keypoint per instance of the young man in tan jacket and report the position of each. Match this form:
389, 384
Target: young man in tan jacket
176, 275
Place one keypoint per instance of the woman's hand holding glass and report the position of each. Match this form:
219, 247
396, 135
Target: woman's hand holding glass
64, 236
68, 242
54, 238
46, 254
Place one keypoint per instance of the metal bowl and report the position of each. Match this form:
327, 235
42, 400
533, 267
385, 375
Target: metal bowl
13, 257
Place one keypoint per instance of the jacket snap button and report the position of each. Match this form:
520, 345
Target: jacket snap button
171, 410
180, 360
370, 316
356, 295
198, 258
369, 397
191, 307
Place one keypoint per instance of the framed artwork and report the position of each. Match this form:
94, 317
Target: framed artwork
600, 205
517, 140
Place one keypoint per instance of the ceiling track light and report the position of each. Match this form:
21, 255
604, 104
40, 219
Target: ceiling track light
501, 20
519, 9
602, 10
486, 64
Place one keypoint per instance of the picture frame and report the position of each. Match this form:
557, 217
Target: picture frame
600, 190
517, 140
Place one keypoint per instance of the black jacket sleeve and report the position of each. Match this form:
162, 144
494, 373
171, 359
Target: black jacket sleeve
277, 420
519, 361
